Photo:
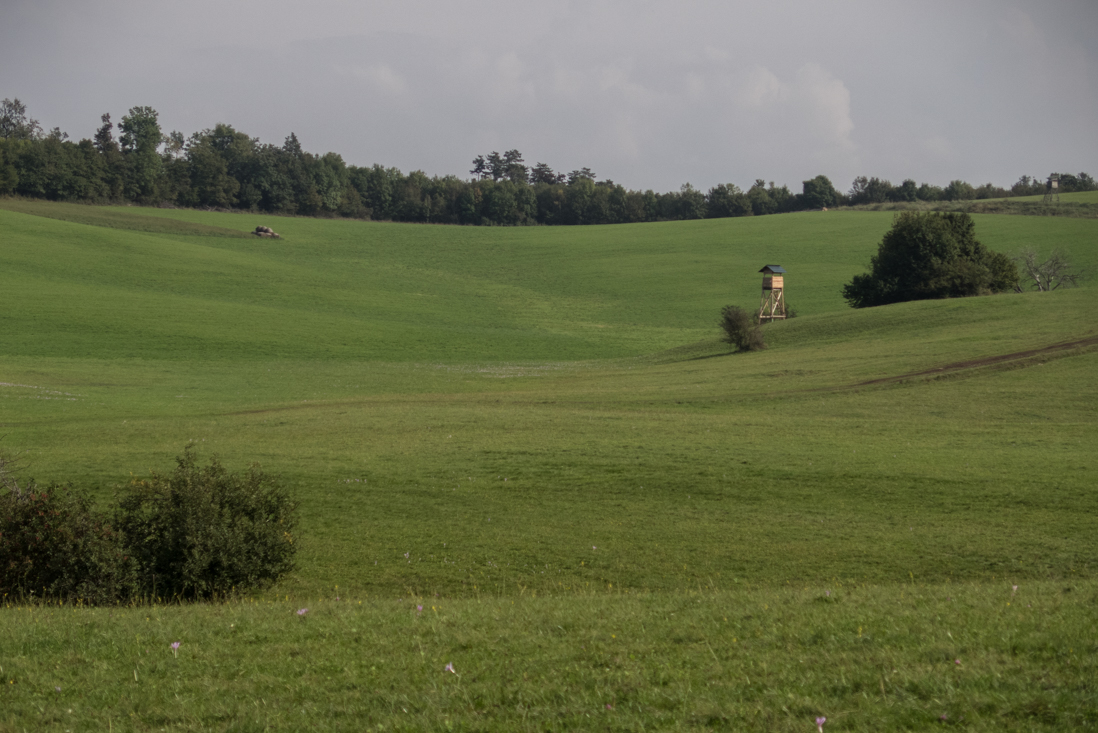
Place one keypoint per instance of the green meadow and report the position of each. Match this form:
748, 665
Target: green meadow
1075, 197
525, 453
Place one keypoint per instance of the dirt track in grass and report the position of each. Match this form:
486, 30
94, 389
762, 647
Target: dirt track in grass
1017, 356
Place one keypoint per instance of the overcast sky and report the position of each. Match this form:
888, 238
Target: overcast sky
649, 94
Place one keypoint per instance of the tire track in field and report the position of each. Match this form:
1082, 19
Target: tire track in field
985, 361
954, 367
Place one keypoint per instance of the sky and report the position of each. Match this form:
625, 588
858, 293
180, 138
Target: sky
648, 94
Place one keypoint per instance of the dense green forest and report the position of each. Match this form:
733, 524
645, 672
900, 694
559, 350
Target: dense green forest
223, 168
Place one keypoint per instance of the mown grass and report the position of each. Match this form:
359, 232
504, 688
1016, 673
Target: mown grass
493, 414
114, 218
913, 656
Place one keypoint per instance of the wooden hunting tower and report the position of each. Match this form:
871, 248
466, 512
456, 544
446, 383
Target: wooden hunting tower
773, 300
1052, 189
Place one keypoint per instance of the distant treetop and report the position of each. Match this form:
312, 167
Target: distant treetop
224, 168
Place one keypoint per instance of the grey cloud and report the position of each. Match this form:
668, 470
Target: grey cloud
649, 94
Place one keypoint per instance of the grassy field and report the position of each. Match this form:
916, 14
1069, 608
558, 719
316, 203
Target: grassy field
1077, 197
536, 435
1080, 204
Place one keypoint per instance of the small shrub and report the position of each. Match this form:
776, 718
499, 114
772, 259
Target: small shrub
741, 329
53, 544
202, 532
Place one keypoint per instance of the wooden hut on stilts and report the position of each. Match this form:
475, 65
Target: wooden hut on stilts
773, 300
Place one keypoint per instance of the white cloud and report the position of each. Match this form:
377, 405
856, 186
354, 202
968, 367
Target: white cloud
626, 141
762, 88
825, 101
695, 87
939, 147
613, 77
807, 114
380, 76
509, 83
1019, 26
567, 82
716, 55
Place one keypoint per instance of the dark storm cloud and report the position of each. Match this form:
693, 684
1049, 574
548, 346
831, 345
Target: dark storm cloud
649, 94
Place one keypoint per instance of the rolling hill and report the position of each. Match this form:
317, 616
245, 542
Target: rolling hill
483, 415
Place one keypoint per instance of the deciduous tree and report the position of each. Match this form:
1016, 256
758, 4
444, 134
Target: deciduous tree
906, 191
930, 255
14, 122
819, 193
870, 191
726, 199
692, 204
1044, 275
141, 141
959, 191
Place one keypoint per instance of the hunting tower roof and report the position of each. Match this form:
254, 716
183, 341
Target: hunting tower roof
773, 268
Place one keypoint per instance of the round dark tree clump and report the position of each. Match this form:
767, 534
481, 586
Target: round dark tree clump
931, 255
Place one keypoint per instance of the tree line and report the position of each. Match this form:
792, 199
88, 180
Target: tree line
224, 168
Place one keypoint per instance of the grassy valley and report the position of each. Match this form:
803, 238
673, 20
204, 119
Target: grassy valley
524, 452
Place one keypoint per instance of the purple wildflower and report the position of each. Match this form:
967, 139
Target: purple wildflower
302, 611
450, 667
820, 723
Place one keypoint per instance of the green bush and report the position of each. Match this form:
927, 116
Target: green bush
931, 255
741, 329
202, 532
53, 544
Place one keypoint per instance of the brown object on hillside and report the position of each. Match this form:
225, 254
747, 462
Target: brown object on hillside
772, 307
262, 231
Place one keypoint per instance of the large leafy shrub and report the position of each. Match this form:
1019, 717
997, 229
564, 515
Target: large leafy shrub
203, 532
53, 544
931, 255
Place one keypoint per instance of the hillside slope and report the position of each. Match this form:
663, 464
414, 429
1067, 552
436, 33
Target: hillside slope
521, 394
382, 292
